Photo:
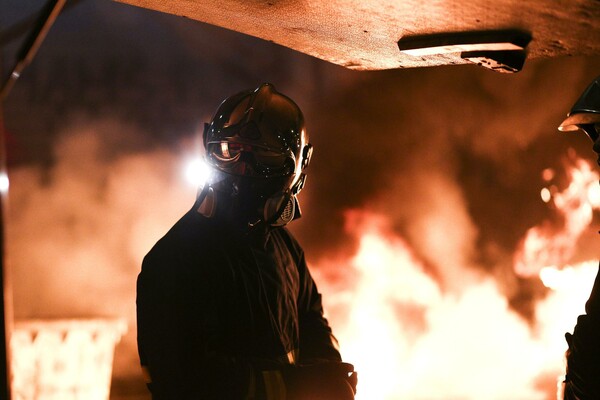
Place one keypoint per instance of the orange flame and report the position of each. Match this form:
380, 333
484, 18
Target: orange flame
409, 339
548, 246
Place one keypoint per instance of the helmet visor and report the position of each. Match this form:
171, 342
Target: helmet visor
249, 159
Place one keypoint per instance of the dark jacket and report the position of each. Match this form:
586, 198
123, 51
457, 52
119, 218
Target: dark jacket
216, 308
582, 381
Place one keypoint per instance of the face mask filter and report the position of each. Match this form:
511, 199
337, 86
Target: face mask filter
280, 209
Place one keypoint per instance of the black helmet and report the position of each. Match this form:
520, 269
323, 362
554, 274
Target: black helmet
257, 140
585, 113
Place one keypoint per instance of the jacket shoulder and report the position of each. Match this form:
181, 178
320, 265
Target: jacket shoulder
188, 239
290, 243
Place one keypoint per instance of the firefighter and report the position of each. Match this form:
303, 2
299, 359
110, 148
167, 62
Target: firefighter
582, 380
226, 306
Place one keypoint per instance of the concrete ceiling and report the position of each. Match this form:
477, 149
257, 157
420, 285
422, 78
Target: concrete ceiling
364, 34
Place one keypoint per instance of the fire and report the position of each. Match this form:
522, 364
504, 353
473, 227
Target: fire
410, 339
546, 251
390, 277
66, 358
547, 245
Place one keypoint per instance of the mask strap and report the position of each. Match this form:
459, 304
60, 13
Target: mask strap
205, 202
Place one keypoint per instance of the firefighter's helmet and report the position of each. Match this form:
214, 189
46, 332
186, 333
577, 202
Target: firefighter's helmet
585, 113
257, 140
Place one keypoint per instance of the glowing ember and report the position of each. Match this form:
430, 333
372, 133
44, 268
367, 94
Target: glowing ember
546, 195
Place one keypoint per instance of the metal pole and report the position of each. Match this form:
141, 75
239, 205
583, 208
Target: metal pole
33, 43
6, 317
45, 20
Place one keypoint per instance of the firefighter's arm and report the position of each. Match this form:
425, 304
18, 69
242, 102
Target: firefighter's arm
583, 355
317, 342
320, 361
319, 373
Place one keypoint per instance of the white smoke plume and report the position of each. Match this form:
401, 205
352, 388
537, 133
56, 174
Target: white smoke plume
77, 231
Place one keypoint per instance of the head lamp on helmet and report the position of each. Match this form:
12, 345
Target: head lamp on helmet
257, 141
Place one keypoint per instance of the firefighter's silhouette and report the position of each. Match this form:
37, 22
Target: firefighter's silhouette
582, 380
227, 308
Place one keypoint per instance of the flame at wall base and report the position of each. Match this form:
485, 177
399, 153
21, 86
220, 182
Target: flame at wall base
64, 359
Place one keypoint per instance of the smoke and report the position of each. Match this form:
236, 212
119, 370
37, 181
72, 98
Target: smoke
77, 231
452, 156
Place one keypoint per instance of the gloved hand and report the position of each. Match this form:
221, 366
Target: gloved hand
322, 381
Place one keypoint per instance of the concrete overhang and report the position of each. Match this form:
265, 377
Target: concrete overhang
365, 35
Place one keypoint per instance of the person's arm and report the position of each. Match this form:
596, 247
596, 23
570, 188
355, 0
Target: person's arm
321, 372
582, 380
317, 341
